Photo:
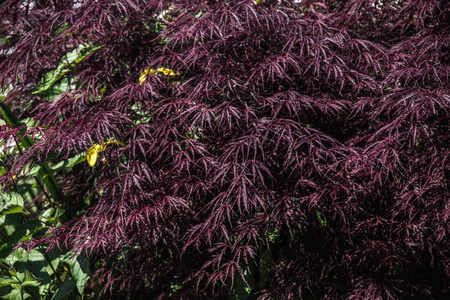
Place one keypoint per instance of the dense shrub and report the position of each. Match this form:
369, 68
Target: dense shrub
272, 149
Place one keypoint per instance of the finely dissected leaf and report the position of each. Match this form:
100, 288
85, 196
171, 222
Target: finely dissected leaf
295, 149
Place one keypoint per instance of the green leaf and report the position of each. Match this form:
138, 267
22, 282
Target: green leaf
6, 280
23, 188
10, 203
20, 293
10, 118
31, 280
21, 255
11, 209
80, 270
28, 122
52, 214
68, 61
321, 218
68, 163
44, 171
64, 85
16, 293
30, 269
65, 289
31, 170
11, 223
18, 231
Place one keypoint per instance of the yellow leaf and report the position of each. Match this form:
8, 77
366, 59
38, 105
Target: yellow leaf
166, 71
92, 152
142, 78
150, 72
144, 74
114, 142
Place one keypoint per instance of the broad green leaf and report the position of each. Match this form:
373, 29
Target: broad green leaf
10, 203
30, 270
65, 289
31, 171
16, 293
23, 188
31, 280
68, 163
11, 223
11, 209
18, 232
52, 214
28, 122
20, 275
6, 280
20, 293
62, 86
12, 198
68, 61
54, 265
80, 270
23, 256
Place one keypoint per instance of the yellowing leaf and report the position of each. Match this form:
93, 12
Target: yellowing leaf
165, 71
113, 142
144, 74
92, 152
142, 78
151, 71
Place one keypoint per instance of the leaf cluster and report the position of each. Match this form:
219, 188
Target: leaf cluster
298, 149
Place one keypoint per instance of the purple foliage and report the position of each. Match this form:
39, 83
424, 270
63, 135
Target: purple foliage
314, 133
